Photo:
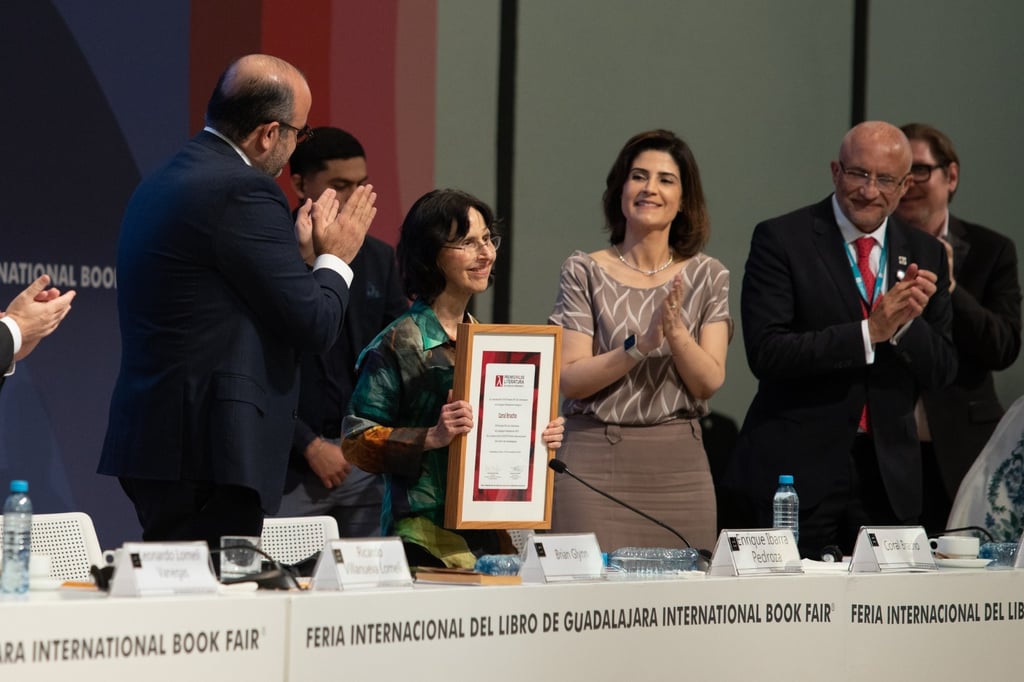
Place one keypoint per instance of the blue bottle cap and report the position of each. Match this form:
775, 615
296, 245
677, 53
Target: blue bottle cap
785, 479
19, 486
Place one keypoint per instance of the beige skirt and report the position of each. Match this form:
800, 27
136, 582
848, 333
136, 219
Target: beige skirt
661, 470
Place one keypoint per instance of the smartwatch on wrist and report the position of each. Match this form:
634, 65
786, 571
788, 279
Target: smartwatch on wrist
631, 348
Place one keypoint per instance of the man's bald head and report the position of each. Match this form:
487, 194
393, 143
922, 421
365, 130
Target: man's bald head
880, 137
872, 173
254, 90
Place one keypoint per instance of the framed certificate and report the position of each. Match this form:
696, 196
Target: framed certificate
498, 474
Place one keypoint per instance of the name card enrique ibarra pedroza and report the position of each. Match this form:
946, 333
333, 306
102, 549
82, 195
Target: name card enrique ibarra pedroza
756, 552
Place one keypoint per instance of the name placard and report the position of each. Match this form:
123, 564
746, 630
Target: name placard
161, 568
756, 552
555, 557
360, 563
892, 549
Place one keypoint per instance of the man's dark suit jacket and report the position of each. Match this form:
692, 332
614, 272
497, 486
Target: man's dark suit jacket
986, 333
802, 331
375, 300
6, 351
215, 306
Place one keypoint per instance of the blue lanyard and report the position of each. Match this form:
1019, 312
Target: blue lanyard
878, 278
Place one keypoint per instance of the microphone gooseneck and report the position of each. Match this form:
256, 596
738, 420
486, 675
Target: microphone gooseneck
558, 466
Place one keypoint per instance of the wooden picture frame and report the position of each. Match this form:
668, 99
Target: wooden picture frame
498, 475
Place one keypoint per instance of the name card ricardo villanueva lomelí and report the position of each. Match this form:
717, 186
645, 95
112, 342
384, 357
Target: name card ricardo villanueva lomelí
162, 568
555, 557
892, 549
361, 562
768, 551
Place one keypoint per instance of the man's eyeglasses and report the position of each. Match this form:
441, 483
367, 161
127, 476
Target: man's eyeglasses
301, 134
474, 246
861, 178
922, 172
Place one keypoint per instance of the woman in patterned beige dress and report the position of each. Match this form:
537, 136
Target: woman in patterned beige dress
646, 330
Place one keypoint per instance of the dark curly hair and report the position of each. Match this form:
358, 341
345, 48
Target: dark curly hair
426, 229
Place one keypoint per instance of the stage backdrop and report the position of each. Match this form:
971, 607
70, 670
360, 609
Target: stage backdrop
93, 106
100, 92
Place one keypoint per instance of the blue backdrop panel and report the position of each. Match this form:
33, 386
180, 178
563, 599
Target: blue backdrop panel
91, 106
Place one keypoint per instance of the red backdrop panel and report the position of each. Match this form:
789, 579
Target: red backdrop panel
371, 67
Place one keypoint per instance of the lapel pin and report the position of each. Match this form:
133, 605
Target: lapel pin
902, 260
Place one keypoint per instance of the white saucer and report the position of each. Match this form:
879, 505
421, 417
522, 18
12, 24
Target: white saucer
42, 584
962, 563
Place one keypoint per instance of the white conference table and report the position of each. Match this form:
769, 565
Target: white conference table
82, 635
802, 627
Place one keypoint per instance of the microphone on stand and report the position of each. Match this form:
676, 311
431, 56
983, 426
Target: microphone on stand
558, 466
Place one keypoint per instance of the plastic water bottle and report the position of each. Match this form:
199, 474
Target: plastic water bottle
17, 538
498, 564
786, 506
652, 562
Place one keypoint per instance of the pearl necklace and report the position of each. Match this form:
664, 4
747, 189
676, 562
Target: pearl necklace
671, 260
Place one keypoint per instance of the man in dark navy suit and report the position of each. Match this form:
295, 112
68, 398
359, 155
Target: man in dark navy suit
955, 423
320, 480
846, 318
33, 314
215, 307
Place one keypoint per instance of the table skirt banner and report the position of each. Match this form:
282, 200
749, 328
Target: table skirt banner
799, 627
177, 639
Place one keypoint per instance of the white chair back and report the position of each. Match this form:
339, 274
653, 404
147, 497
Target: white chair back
69, 539
519, 537
291, 539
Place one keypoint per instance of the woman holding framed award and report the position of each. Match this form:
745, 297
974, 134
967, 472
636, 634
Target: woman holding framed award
646, 328
401, 418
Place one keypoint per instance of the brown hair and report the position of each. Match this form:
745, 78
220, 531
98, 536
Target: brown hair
690, 228
938, 142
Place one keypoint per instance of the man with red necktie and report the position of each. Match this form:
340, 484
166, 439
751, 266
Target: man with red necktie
842, 335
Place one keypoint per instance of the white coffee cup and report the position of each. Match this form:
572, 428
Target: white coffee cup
955, 546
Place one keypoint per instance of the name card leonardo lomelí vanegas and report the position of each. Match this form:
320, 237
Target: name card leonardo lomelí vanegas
162, 568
